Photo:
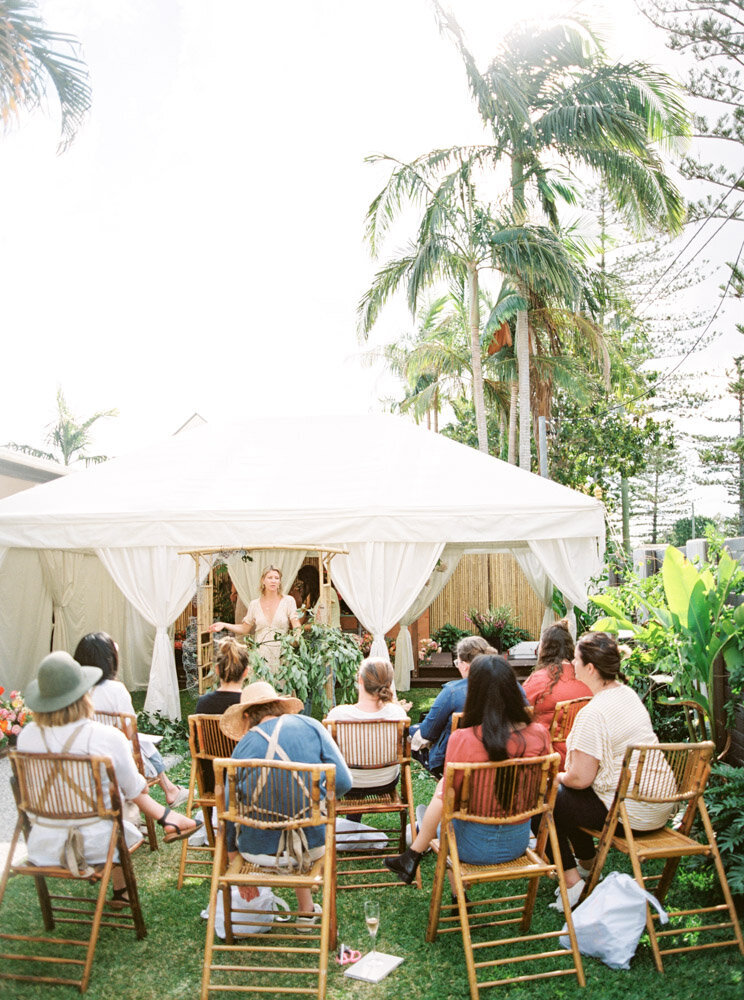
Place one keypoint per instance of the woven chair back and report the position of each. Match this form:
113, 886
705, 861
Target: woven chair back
665, 772
65, 786
274, 795
510, 791
370, 743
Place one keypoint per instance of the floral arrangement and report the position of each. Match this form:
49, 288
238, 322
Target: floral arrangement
498, 627
427, 648
364, 641
178, 638
13, 717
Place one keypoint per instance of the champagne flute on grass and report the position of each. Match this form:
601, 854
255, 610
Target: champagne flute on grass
372, 919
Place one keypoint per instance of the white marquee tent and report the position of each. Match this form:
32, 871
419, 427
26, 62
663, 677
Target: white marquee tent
101, 549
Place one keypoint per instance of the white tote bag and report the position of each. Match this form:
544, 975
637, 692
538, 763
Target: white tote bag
609, 923
262, 912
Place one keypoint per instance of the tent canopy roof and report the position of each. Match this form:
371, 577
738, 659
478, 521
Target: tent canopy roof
319, 480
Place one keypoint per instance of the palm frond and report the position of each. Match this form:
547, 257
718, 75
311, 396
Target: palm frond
35, 61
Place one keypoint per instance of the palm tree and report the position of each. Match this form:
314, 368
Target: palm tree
553, 103
458, 237
69, 436
33, 59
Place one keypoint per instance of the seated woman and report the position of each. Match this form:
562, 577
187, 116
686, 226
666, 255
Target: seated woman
553, 679
614, 719
232, 667
261, 714
63, 722
496, 725
376, 701
98, 649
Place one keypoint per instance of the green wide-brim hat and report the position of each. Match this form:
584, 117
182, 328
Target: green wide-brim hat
60, 682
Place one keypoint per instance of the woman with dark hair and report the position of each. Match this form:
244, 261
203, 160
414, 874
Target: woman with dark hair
614, 719
553, 679
98, 649
495, 725
376, 701
307, 587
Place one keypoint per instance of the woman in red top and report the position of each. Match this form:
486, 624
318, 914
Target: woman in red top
553, 679
495, 726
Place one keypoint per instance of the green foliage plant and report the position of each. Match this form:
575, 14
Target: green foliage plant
693, 616
307, 658
175, 732
448, 636
498, 626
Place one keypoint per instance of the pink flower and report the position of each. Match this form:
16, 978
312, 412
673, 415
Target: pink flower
15, 730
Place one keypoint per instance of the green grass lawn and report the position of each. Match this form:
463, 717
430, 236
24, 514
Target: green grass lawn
167, 964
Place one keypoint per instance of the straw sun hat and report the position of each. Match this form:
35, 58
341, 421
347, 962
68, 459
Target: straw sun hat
233, 721
60, 682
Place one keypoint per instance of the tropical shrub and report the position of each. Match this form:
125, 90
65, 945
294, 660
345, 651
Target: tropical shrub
686, 624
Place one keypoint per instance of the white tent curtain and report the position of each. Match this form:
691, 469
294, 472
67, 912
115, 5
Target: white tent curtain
98, 605
381, 580
246, 575
404, 654
540, 582
158, 582
569, 563
24, 598
63, 572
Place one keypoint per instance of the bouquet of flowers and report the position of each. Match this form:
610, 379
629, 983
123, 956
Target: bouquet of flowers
13, 717
427, 648
365, 644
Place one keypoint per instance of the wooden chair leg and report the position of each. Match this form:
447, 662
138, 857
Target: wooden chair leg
435, 905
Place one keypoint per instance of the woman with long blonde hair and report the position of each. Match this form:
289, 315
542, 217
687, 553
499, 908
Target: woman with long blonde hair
268, 617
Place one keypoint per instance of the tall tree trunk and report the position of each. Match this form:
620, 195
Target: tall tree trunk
523, 367
475, 357
436, 410
513, 399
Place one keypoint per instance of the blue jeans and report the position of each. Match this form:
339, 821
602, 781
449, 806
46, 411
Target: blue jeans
481, 843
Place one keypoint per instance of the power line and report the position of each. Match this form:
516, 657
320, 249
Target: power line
695, 236
687, 354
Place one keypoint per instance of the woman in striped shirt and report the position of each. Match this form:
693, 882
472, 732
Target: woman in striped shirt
614, 719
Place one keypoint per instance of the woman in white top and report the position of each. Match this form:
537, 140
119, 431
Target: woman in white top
63, 722
614, 719
270, 615
98, 649
376, 701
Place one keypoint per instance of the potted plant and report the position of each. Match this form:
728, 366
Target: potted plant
498, 627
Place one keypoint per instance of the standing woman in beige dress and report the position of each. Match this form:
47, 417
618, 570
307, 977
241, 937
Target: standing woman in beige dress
268, 615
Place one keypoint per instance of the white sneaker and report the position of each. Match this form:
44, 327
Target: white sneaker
573, 892
308, 921
181, 796
583, 872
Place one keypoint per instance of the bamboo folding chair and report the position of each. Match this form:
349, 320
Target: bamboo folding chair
50, 788
673, 773
206, 742
127, 724
503, 792
564, 717
366, 745
289, 798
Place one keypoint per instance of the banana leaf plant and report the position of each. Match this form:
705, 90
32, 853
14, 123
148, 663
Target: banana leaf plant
703, 626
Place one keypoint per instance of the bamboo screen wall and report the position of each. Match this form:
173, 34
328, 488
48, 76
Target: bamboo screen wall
483, 580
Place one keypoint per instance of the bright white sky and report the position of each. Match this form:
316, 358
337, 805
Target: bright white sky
199, 248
